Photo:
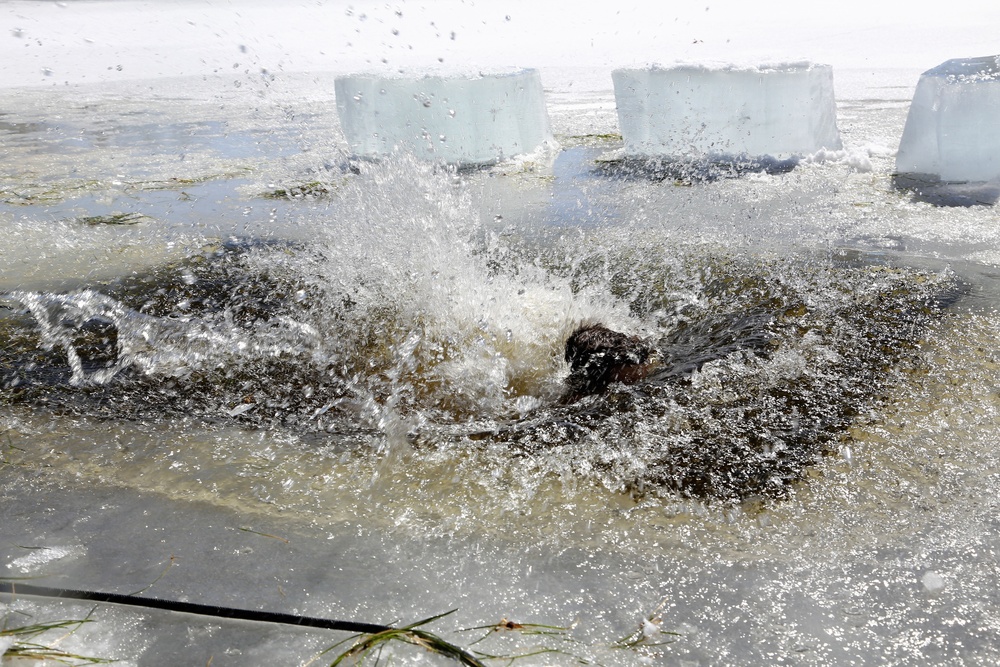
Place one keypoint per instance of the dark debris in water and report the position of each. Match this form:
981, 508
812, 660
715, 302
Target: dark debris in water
310, 190
214, 290
930, 189
760, 374
689, 171
114, 219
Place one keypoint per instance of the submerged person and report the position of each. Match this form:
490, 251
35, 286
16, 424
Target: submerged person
599, 356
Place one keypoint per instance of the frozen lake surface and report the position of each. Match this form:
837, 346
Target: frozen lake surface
444, 300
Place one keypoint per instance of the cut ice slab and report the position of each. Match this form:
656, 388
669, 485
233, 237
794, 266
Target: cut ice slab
458, 119
781, 111
952, 132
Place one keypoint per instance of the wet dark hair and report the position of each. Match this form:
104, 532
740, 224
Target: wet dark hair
598, 356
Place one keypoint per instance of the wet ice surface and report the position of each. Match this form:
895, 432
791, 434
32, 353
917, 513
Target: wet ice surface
883, 555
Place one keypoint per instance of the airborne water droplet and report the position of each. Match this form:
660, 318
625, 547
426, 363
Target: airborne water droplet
932, 581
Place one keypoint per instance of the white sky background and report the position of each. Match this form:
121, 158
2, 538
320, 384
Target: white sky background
43, 42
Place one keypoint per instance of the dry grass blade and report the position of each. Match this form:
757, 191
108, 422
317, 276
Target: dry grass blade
647, 630
25, 649
247, 529
558, 632
506, 625
410, 634
170, 563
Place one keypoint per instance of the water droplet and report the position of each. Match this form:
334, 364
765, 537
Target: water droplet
395, 31
427, 103
932, 581
441, 138
451, 112
17, 32
358, 97
507, 17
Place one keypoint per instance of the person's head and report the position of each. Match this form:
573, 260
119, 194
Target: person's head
598, 356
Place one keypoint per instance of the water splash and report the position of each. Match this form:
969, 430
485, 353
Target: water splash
408, 322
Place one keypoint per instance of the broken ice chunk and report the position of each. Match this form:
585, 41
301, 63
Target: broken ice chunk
780, 111
458, 119
952, 132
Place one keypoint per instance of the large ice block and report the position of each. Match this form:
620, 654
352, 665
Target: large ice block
458, 119
952, 132
780, 111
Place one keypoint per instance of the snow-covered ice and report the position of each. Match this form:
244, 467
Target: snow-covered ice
459, 119
952, 132
690, 111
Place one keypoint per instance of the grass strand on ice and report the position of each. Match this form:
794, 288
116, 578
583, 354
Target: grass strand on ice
28, 642
365, 644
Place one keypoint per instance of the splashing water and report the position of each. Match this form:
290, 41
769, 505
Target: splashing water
408, 321
374, 375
